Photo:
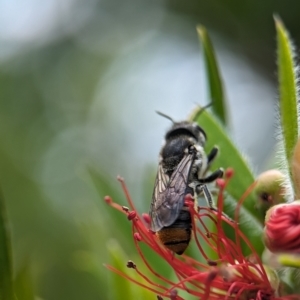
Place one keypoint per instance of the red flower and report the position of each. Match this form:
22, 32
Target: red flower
282, 228
230, 276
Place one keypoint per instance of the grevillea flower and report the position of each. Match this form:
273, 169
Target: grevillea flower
230, 275
282, 228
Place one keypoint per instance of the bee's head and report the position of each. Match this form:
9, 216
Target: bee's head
185, 128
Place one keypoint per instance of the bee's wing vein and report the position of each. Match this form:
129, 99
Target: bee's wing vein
168, 196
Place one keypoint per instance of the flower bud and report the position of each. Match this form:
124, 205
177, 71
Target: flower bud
229, 173
282, 228
146, 218
137, 236
269, 189
220, 182
131, 215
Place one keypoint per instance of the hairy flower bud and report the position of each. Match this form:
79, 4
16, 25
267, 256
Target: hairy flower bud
269, 190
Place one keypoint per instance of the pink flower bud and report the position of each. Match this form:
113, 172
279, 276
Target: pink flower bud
108, 199
137, 236
146, 218
229, 173
131, 215
220, 182
282, 228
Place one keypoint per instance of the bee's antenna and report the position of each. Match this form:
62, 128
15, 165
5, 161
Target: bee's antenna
202, 109
165, 116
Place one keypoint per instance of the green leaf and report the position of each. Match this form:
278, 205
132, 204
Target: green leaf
123, 288
118, 261
23, 283
230, 157
215, 84
287, 90
292, 276
111, 217
6, 284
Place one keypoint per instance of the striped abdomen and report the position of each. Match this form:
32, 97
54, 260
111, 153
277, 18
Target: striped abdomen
177, 236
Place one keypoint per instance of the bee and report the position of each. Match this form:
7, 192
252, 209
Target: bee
181, 171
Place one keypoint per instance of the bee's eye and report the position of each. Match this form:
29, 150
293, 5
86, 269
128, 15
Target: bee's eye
202, 131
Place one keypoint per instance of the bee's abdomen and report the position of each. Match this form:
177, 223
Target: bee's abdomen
175, 239
177, 236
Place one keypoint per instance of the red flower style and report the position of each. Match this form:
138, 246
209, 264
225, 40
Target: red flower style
230, 276
282, 228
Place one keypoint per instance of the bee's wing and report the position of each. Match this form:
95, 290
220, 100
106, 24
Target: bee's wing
168, 195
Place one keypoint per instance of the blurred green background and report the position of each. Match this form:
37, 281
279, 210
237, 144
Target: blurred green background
79, 85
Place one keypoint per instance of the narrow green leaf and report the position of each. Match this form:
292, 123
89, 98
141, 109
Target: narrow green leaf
229, 156
213, 75
6, 284
287, 90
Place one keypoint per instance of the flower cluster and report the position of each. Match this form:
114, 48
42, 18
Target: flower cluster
282, 221
230, 275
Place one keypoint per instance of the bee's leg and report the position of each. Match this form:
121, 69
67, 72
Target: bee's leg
212, 155
209, 200
208, 196
212, 177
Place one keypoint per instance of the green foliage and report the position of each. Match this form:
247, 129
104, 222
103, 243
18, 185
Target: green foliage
288, 78
288, 98
215, 84
6, 284
121, 288
289, 260
23, 285
118, 260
